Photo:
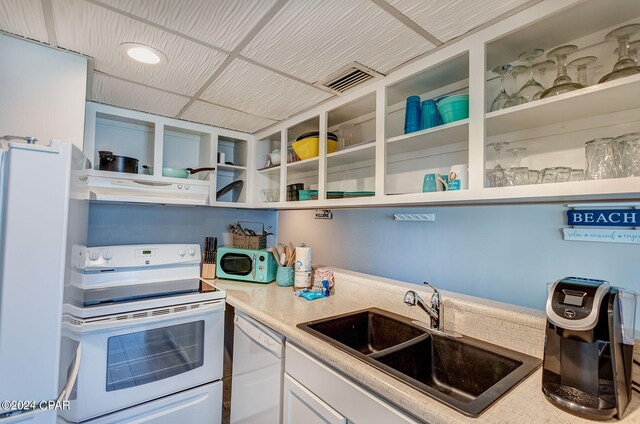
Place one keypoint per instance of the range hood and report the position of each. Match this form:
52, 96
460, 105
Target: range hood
135, 188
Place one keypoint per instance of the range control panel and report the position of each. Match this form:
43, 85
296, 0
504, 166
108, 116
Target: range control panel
134, 256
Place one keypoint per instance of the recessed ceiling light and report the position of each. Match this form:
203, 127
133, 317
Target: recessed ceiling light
142, 53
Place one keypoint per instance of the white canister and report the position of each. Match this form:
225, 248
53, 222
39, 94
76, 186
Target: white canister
303, 258
458, 177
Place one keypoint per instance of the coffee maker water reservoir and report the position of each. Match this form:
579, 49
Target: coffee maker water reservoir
589, 348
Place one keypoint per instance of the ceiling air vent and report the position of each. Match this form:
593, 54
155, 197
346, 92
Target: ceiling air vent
347, 78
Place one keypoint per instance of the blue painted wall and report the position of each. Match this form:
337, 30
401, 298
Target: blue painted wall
505, 253
111, 224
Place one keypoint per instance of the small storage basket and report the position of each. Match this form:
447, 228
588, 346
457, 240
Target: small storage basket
256, 242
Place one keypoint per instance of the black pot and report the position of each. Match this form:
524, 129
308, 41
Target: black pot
111, 162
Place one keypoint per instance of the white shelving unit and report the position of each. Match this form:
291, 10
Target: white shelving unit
392, 164
161, 142
553, 130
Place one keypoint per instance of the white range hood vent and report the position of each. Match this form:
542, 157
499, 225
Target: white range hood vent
348, 78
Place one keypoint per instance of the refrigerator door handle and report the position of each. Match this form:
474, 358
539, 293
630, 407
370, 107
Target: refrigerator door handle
71, 379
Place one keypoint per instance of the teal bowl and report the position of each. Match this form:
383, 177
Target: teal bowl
454, 108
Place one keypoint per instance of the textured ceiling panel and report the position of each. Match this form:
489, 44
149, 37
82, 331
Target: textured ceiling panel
222, 23
97, 32
449, 19
23, 17
219, 116
262, 92
313, 38
117, 92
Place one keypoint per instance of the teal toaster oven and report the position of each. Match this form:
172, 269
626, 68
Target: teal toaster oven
257, 266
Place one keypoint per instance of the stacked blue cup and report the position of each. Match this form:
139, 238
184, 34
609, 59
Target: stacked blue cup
412, 115
430, 117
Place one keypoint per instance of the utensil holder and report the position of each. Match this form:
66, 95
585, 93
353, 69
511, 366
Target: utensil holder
284, 276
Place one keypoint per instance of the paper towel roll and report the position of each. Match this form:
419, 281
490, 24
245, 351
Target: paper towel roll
303, 258
302, 280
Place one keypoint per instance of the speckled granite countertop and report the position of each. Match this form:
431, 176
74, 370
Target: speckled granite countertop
510, 326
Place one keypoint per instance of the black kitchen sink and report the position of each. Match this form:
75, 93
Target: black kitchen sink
461, 372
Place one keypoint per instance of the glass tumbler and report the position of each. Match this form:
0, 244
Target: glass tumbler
576, 175
558, 174
626, 153
516, 176
534, 176
600, 159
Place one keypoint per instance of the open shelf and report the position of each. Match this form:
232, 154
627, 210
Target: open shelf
307, 165
352, 154
612, 96
225, 167
432, 137
274, 170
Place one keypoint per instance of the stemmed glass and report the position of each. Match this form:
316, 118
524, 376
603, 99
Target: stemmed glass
518, 153
532, 87
562, 83
625, 65
496, 175
632, 50
502, 97
515, 97
542, 68
581, 65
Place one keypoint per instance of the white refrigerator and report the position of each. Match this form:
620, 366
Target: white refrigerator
43, 212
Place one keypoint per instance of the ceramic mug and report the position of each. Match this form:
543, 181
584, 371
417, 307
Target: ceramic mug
434, 182
458, 177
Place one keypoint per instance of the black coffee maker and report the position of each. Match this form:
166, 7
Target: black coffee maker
588, 352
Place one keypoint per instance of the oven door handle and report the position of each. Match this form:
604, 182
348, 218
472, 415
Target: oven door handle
71, 379
130, 320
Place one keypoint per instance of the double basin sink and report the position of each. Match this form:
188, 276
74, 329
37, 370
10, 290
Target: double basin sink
461, 372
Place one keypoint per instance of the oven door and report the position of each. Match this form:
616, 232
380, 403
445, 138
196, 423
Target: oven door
238, 265
129, 359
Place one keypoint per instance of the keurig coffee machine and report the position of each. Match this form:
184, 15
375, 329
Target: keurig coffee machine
588, 348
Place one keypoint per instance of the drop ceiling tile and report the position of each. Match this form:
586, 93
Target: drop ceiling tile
97, 32
221, 23
127, 94
219, 116
313, 38
24, 18
261, 92
448, 19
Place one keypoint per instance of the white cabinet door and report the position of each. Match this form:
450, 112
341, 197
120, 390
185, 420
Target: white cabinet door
302, 406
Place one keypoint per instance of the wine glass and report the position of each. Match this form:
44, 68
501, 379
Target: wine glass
496, 175
562, 83
634, 46
581, 65
542, 68
532, 87
518, 153
500, 100
515, 98
625, 65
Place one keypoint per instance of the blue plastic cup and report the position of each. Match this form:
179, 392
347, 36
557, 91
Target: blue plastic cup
430, 117
412, 115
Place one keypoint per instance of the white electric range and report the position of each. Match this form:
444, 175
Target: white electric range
149, 333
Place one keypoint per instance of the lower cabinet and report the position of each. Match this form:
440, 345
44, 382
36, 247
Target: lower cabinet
315, 393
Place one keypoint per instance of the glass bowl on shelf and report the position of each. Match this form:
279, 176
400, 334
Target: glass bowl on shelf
270, 195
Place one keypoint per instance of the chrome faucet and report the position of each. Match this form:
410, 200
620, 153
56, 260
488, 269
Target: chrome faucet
411, 298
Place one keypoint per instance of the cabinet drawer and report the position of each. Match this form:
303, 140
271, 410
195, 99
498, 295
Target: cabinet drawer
302, 406
347, 398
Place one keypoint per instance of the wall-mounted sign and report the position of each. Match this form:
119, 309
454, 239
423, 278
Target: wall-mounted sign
602, 235
604, 217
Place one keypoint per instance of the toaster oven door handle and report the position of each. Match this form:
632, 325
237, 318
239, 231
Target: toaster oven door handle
71, 379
